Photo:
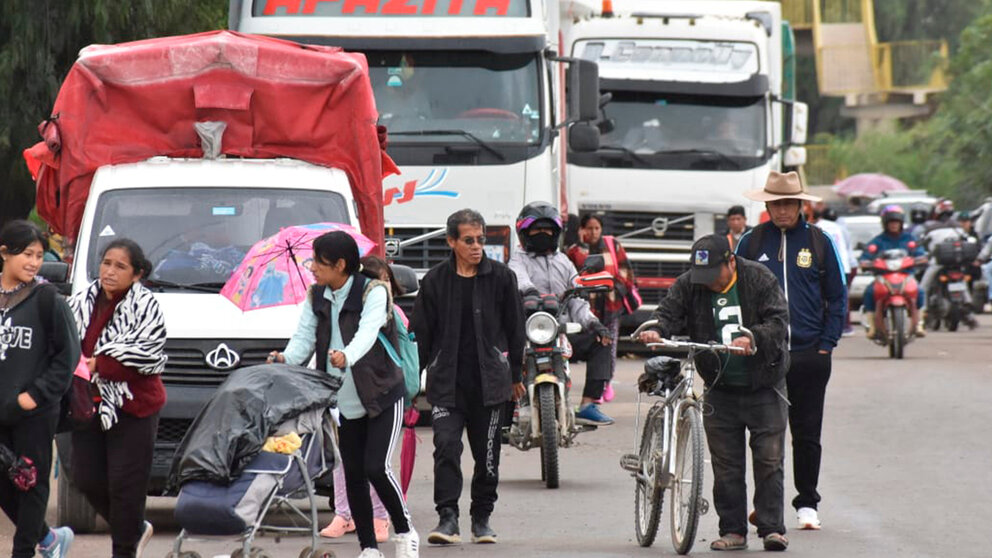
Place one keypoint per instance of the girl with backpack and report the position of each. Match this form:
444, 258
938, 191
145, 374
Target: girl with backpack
341, 319
123, 338
343, 522
608, 307
39, 350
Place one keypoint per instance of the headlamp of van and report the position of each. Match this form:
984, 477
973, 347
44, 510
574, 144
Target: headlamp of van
541, 328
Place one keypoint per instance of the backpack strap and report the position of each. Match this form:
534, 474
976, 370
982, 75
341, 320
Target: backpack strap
46, 305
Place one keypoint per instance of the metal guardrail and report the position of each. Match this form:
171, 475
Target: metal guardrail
911, 65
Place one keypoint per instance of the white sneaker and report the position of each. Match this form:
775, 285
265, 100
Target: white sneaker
371, 553
407, 544
808, 519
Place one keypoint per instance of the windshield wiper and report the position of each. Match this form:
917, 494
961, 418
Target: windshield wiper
629, 152
702, 152
482, 143
201, 287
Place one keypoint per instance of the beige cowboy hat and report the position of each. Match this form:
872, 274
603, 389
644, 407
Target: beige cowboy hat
781, 186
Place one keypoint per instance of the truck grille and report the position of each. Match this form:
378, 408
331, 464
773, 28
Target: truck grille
187, 364
652, 297
422, 255
658, 269
172, 430
618, 223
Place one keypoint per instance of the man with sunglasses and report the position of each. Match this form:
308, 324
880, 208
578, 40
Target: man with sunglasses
468, 319
542, 268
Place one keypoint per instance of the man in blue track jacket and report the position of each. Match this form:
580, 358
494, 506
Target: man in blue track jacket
808, 268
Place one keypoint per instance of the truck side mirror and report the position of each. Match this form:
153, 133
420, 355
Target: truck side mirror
583, 137
800, 117
56, 273
583, 87
406, 278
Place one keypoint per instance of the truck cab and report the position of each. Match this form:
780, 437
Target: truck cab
695, 117
472, 94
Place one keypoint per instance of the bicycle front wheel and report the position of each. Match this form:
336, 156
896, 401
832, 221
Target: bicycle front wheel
687, 486
648, 490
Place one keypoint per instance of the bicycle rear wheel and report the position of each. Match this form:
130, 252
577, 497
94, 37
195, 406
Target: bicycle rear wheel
687, 486
648, 491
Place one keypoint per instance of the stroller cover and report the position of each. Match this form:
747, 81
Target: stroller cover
248, 407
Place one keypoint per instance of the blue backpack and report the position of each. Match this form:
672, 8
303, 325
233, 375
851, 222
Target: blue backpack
405, 356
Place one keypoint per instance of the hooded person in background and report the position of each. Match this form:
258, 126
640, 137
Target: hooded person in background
810, 272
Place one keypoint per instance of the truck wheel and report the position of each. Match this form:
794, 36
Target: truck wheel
74, 510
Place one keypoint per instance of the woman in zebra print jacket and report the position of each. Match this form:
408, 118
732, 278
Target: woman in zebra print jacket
123, 339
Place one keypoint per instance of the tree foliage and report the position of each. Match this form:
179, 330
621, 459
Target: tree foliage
39, 41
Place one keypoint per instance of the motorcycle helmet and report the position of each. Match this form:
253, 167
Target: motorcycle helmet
892, 213
943, 210
538, 213
918, 214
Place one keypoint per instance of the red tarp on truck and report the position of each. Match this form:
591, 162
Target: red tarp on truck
129, 102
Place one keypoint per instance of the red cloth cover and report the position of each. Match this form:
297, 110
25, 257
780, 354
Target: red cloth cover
128, 102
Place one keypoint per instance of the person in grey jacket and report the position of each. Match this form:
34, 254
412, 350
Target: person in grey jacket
542, 269
746, 394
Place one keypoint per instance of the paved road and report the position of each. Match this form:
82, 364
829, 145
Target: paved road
906, 472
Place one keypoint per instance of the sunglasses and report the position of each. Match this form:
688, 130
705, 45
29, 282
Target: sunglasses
470, 240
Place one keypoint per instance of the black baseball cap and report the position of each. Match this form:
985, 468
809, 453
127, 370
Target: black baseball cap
706, 257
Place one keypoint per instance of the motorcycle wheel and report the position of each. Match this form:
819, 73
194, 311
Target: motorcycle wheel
953, 318
549, 435
897, 328
687, 486
648, 492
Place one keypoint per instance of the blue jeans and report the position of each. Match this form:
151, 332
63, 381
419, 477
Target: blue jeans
869, 298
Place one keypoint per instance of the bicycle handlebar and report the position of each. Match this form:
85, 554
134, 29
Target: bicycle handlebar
672, 344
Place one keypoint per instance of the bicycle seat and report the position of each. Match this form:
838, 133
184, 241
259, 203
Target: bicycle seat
663, 366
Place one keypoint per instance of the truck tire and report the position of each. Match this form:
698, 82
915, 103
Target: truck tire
74, 510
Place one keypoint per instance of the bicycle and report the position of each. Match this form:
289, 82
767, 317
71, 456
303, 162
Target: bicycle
670, 456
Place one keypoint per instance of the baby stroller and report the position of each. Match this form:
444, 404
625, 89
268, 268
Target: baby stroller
230, 488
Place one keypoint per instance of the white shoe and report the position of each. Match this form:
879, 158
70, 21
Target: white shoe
407, 544
808, 519
371, 553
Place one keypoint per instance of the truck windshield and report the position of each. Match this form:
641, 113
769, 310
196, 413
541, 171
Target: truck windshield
667, 131
494, 97
195, 237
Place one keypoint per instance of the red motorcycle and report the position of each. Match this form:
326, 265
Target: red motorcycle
895, 289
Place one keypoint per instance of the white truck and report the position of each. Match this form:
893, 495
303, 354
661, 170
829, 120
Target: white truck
194, 210
473, 95
700, 110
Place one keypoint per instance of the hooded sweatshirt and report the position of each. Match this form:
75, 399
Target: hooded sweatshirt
30, 361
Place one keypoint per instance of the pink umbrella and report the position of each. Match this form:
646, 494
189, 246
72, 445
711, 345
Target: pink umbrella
276, 269
408, 453
869, 184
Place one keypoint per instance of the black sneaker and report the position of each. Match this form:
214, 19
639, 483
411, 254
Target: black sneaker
482, 533
446, 531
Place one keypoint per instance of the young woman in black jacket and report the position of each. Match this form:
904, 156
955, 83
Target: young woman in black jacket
38, 351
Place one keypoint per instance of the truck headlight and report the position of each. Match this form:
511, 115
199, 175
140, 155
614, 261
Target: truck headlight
541, 328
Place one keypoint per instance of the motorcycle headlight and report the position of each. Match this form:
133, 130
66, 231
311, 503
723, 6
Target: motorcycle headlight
893, 265
541, 328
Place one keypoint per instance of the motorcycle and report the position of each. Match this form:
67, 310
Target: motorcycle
895, 290
545, 418
948, 301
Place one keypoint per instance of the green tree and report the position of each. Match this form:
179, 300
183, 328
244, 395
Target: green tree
960, 132
39, 41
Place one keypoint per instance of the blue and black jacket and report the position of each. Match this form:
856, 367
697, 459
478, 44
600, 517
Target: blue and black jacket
886, 241
815, 287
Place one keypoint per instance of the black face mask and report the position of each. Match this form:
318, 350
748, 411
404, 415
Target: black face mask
542, 243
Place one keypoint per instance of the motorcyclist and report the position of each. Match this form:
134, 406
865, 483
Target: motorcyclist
941, 229
891, 238
541, 268
918, 215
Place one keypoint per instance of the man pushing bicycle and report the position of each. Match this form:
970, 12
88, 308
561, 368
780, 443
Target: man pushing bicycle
745, 394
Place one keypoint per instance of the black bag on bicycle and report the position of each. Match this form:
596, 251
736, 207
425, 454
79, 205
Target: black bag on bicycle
660, 372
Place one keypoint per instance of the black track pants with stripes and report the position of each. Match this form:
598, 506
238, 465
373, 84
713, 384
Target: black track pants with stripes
367, 446
483, 426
